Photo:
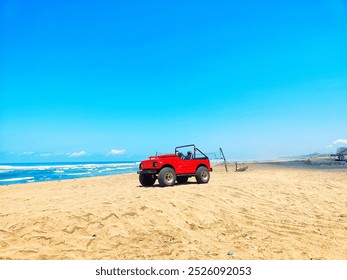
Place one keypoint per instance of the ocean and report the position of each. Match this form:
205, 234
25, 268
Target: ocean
20, 173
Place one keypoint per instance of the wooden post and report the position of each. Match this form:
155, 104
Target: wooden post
225, 162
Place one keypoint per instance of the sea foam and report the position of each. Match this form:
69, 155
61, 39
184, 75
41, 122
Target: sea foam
23, 173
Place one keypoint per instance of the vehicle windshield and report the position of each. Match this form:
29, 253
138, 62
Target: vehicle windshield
189, 152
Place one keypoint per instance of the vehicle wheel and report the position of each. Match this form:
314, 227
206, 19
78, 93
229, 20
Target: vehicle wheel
202, 175
167, 177
182, 179
147, 180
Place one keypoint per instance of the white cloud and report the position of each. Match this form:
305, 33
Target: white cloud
78, 154
44, 154
28, 153
340, 141
116, 152
329, 146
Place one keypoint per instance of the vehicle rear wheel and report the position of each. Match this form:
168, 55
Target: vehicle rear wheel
167, 177
182, 179
202, 175
147, 180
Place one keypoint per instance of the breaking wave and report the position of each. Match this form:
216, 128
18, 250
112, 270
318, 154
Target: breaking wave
23, 173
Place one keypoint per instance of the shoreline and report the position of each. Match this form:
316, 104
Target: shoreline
44, 172
307, 163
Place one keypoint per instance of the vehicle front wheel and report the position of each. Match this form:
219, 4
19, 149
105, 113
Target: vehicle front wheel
167, 177
147, 180
202, 175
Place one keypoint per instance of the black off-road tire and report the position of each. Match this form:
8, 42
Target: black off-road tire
202, 175
147, 180
182, 179
167, 177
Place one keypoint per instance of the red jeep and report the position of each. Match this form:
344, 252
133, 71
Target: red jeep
187, 161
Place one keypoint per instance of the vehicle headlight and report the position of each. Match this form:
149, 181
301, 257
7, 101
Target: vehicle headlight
140, 166
155, 164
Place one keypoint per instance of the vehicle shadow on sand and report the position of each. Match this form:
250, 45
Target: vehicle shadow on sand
175, 185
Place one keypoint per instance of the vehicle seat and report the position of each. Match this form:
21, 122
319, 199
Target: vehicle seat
189, 156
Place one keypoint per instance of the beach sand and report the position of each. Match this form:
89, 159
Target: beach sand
271, 211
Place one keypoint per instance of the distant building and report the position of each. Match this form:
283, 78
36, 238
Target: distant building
340, 154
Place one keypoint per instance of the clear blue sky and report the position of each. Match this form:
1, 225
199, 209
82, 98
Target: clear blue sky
120, 80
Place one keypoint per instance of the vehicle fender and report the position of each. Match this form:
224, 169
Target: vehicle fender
167, 165
204, 165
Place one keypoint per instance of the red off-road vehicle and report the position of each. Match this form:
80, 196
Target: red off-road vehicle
187, 161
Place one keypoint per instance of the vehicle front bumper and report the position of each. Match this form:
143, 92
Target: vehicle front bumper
147, 171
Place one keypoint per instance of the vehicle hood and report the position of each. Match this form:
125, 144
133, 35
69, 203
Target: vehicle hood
162, 156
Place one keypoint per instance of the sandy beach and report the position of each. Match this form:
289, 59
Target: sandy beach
271, 211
